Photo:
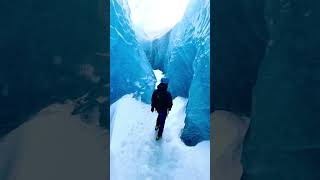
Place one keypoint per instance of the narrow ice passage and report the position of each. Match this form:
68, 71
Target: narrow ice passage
135, 154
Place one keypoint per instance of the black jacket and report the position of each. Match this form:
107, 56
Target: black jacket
161, 98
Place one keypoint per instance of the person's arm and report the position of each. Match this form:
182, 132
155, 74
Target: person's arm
153, 101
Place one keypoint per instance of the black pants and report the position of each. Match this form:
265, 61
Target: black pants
162, 115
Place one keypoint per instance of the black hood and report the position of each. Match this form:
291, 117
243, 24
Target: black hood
162, 87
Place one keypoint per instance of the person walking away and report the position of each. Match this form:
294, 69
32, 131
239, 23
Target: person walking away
162, 102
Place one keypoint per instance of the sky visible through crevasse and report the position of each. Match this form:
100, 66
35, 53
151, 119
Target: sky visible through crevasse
153, 18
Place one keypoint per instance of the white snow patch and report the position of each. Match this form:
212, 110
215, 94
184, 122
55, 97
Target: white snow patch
137, 84
135, 154
159, 75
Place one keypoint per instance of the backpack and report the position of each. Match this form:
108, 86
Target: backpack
162, 99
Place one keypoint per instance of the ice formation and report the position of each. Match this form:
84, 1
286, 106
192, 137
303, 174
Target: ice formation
183, 54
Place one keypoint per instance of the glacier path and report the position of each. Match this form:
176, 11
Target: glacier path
136, 154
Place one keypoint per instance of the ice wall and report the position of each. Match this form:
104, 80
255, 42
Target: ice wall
197, 121
157, 51
238, 47
183, 55
130, 70
50, 51
187, 64
283, 138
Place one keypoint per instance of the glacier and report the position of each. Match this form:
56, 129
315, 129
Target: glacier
182, 54
283, 138
137, 65
156, 51
130, 70
197, 121
268, 53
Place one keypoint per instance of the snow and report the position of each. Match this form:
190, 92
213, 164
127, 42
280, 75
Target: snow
135, 153
159, 75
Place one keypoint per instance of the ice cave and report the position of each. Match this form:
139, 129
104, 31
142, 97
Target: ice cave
148, 40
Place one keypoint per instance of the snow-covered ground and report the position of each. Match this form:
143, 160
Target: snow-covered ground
136, 155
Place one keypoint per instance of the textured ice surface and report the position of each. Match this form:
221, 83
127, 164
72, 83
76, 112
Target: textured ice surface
183, 54
157, 51
189, 68
283, 139
238, 48
130, 70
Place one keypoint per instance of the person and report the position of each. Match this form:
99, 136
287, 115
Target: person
161, 102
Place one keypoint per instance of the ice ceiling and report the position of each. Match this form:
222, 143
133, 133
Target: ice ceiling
153, 18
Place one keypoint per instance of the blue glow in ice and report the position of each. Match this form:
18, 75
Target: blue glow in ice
130, 70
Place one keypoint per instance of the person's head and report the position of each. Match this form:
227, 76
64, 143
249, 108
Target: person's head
165, 80
163, 86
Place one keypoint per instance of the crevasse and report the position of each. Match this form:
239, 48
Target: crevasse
183, 54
